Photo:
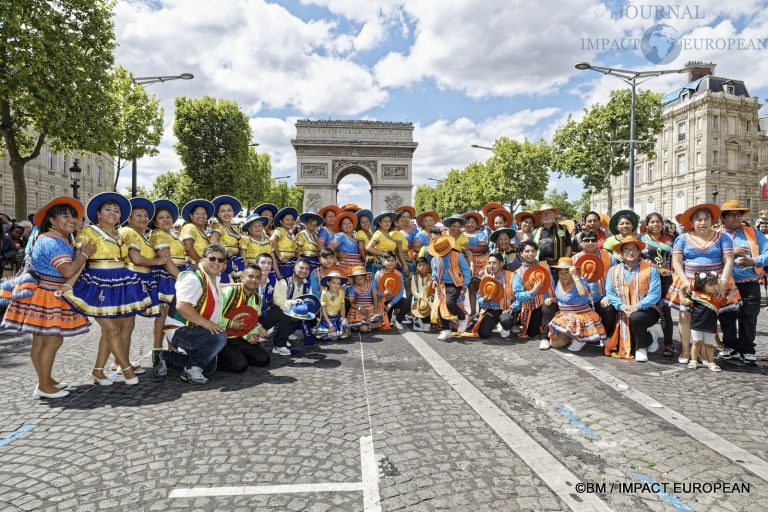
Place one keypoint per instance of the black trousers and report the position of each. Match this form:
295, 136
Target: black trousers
238, 354
740, 327
666, 312
639, 323
403, 307
491, 318
607, 317
274, 317
540, 318
452, 295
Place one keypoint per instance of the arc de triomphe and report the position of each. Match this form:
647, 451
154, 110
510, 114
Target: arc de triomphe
379, 151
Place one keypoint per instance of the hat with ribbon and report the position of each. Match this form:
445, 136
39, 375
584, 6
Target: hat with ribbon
390, 283
94, 205
537, 273
500, 212
300, 310
187, 209
563, 263
508, 231
247, 315
254, 217
59, 201
491, 289
441, 245
421, 307
334, 274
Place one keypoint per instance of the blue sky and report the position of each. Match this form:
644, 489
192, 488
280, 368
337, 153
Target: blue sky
464, 72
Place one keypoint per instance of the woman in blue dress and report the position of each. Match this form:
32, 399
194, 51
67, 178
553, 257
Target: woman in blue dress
344, 243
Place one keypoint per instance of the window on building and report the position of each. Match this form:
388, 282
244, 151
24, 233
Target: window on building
88, 171
698, 123
732, 123
730, 89
665, 167
749, 126
715, 157
51, 193
63, 164
651, 172
715, 122
682, 164
35, 198
98, 174
681, 131
749, 159
698, 158
733, 159
50, 160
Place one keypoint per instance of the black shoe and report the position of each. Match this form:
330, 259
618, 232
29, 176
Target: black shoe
159, 368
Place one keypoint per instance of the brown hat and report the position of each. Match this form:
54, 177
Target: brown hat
474, 215
345, 215
441, 245
547, 207
420, 218
519, 216
733, 205
421, 307
687, 221
490, 289
490, 207
405, 208
495, 213
630, 240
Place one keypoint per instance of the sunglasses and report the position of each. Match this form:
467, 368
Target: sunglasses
588, 240
214, 259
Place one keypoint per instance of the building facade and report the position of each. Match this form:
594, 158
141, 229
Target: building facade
712, 149
47, 177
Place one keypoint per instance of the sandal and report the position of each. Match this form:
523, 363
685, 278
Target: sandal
714, 367
693, 365
669, 351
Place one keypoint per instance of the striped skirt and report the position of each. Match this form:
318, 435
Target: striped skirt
673, 299
480, 262
44, 313
109, 293
581, 323
349, 260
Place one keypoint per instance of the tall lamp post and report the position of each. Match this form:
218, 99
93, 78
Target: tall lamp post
631, 78
512, 200
149, 80
74, 176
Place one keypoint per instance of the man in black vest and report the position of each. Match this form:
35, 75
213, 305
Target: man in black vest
286, 292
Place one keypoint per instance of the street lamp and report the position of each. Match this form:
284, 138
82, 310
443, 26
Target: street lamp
438, 181
630, 77
281, 177
148, 80
74, 176
481, 147
512, 200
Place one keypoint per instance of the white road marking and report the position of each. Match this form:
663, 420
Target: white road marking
699, 432
549, 469
198, 492
370, 472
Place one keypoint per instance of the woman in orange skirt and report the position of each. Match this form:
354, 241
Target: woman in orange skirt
44, 314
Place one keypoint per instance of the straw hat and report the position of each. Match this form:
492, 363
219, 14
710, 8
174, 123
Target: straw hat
733, 205
421, 308
441, 245
490, 289
63, 200
563, 263
358, 270
333, 274
630, 240
504, 213
686, 218
546, 207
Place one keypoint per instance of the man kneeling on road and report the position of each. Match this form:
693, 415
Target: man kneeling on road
194, 318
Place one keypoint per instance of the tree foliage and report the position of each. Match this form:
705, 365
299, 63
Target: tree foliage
258, 180
176, 186
55, 61
213, 145
283, 195
589, 149
559, 200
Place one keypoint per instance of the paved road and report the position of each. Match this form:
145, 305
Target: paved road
390, 422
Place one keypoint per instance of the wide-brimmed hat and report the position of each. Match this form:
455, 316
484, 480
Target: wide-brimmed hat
350, 207
99, 199
495, 213
536, 273
405, 208
569, 225
312, 302
329, 208
330, 275
266, 206
364, 213
686, 218
614, 222
389, 283
454, 218
488, 208
563, 263
630, 240
62, 200
441, 245
421, 307
519, 216
420, 217
474, 215
547, 207
247, 315
733, 205
142, 203
288, 210
307, 216
376, 219
254, 217
679, 218
299, 311
345, 215
604, 220
590, 267
232, 201
334, 268
495, 235
491, 289
358, 270
169, 205
188, 208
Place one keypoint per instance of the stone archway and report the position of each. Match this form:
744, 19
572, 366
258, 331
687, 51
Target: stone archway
381, 152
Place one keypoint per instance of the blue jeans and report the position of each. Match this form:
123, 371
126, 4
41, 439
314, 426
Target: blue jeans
201, 348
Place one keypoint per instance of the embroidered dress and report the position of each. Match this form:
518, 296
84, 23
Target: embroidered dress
253, 248
106, 288
347, 251
576, 317
361, 297
326, 234
480, 259
659, 252
525, 301
307, 244
384, 242
199, 240
286, 245
365, 237
332, 305
408, 250
136, 241
166, 283
229, 237
701, 257
43, 312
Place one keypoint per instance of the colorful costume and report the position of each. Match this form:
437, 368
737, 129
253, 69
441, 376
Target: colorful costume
166, 283
480, 259
229, 237
253, 248
199, 240
307, 244
533, 313
286, 245
576, 317
138, 242
347, 251
332, 304
362, 310
384, 242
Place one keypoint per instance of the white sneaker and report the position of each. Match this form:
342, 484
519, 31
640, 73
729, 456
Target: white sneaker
398, 325
641, 355
282, 351
654, 347
575, 346
462, 326
516, 329
293, 337
504, 333
544, 344
194, 374
444, 335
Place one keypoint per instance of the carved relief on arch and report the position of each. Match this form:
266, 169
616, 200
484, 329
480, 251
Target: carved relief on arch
366, 165
314, 202
393, 202
314, 170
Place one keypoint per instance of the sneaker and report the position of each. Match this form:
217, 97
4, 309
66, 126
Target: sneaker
293, 337
159, 368
641, 355
749, 359
728, 353
281, 351
444, 335
408, 320
544, 344
575, 346
516, 329
194, 374
462, 326
397, 325
654, 347
505, 333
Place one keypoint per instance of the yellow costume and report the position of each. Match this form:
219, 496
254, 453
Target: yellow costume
200, 239
229, 238
307, 244
286, 243
135, 240
331, 303
253, 247
162, 241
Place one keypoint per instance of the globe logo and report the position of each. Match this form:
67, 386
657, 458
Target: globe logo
661, 44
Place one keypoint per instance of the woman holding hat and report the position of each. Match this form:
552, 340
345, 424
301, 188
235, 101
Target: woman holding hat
306, 239
106, 289
700, 249
623, 224
326, 233
575, 322
658, 250
363, 235
381, 241
537, 305
193, 235
166, 245
526, 221
344, 244
267, 210
44, 314
226, 234
255, 240
284, 241
478, 249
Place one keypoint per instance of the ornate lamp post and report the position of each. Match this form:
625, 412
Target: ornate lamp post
74, 176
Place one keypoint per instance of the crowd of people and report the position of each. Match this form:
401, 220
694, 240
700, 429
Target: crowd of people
219, 292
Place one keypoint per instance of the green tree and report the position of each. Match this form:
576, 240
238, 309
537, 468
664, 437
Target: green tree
424, 199
213, 143
283, 195
559, 200
589, 149
176, 186
257, 179
517, 170
55, 61
139, 121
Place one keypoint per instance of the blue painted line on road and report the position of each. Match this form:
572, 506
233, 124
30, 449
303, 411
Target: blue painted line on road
669, 499
16, 433
576, 422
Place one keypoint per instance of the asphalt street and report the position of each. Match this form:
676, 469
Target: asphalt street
390, 421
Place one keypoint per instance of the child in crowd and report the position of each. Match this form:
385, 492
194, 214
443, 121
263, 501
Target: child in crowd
705, 307
333, 322
397, 300
363, 302
327, 261
420, 291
